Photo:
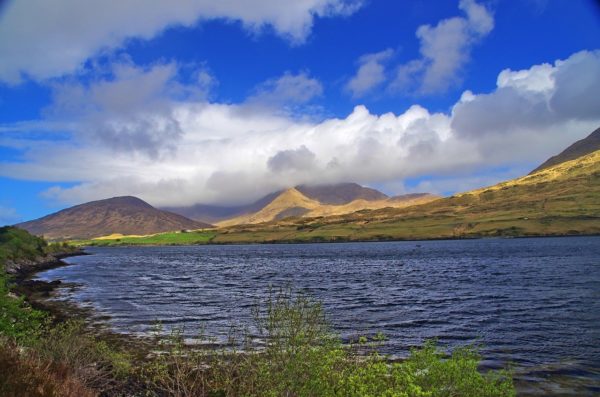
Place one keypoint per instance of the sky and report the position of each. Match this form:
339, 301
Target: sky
184, 102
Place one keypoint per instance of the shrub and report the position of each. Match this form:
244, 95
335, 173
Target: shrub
18, 320
24, 373
93, 362
302, 357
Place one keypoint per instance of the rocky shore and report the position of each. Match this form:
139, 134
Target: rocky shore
36, 292
23, 269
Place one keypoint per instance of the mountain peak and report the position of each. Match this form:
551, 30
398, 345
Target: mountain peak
123, 200
340, 193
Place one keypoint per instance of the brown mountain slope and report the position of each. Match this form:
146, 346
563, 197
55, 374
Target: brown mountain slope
124, 215
580, 148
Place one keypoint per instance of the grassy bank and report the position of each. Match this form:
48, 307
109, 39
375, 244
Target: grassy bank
40, 356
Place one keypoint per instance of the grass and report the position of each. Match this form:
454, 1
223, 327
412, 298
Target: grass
39, 357
171, 238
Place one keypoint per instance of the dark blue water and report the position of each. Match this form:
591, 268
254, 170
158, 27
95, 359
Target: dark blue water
532, 302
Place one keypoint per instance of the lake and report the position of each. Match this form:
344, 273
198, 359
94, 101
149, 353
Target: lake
531, 302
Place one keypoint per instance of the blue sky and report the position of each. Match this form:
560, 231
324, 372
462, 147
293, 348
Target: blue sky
223, 103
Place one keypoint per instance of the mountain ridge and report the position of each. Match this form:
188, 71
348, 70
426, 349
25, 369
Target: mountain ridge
293, 203
582, 147
125, 215
327, 194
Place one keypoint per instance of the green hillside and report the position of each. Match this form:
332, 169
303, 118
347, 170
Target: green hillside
561, 200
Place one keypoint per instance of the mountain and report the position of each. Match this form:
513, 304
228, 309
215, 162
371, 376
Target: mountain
290, 202
341, 193
336, 194
294, 203
118, 215
563, 199
580, 148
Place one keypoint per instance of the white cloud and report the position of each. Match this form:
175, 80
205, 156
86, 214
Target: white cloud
370, 73
292, 160
288, 89
42, 39
133, 109
235, 153
445, 49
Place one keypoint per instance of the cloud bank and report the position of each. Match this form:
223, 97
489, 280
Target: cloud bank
171, 146
32, 46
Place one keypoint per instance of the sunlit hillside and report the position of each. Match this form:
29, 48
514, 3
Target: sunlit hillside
561, 200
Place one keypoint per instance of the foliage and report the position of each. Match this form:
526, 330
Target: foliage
302, 357
17, 243
18, 320
24, 373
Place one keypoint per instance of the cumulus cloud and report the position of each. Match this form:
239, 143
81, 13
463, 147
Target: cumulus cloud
226, 153
131, 110
293, 160
41, 39
370, 73
445, 49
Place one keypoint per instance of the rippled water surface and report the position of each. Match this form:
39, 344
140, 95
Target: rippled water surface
532, 302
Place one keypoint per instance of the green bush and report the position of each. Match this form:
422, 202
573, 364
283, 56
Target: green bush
18, 320
17, 243
302, 357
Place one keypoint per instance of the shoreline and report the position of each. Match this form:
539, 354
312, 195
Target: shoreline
24, 269
340, 240
37, 293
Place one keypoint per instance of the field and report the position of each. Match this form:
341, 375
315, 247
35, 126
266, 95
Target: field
173, 238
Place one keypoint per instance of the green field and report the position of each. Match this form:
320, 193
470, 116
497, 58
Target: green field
172, 238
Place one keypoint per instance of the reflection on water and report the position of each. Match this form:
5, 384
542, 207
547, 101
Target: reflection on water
532, 302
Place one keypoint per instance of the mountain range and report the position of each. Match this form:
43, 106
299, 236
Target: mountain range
560, 200
562, 193
335, 194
